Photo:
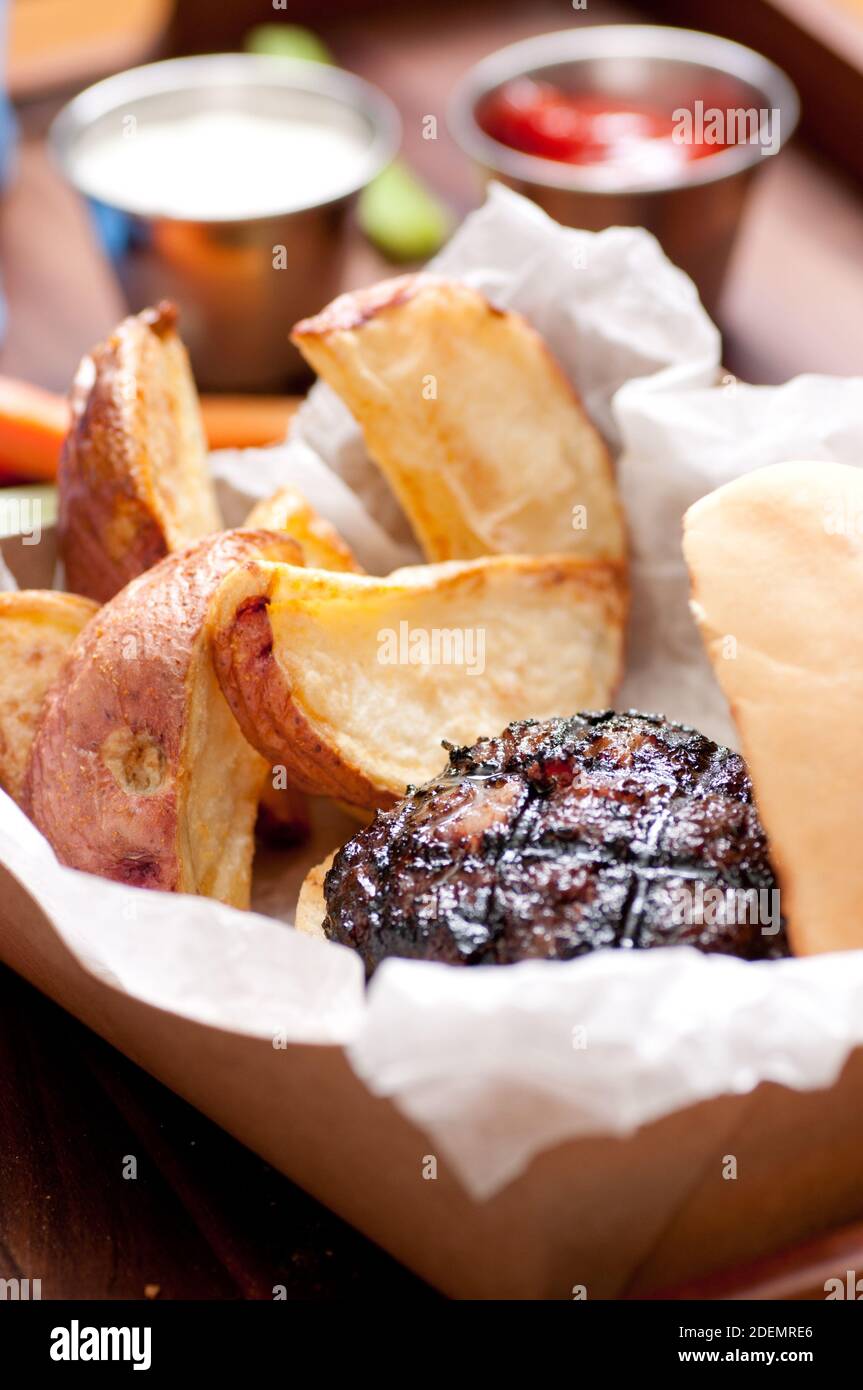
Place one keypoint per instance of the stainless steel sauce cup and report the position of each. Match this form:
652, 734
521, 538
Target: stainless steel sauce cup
241, 281
696, 210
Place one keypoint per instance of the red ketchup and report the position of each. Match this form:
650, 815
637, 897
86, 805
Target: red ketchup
587, 128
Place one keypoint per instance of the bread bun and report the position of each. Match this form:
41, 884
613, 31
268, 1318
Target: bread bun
776, 564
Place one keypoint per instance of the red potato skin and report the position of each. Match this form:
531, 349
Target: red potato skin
97, 501
123, 436
132, 669
108, 534
260, 699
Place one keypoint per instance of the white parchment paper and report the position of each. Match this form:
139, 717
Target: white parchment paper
497, 1064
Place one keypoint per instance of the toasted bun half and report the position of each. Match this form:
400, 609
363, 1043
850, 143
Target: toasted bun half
776, 564
471, 420
351, 683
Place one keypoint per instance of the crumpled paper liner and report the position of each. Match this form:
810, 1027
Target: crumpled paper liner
495, 1064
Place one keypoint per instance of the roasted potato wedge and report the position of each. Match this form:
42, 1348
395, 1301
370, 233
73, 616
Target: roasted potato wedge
483, 441
37, 628
138, 771
287, 510
311, 904
283, 817
352, 682
133, 479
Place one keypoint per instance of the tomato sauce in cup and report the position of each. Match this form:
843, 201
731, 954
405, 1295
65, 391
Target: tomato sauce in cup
540, 119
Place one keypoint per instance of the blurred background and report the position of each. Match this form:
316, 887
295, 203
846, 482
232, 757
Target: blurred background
790, 298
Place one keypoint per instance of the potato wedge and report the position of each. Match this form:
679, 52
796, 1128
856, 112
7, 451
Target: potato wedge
283, 817
138, 771
37, 628
485, 444
311, 904
352, 682
287, 510
133, 479
776, 564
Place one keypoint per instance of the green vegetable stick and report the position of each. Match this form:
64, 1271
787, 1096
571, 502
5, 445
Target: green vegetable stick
401, 217
287, 41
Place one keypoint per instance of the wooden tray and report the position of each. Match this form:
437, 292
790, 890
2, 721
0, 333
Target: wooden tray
800, 1272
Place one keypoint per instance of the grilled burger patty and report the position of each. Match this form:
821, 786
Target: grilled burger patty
559, 837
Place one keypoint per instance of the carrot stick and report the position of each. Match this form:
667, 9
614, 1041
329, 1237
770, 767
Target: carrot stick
246, 422
33, 424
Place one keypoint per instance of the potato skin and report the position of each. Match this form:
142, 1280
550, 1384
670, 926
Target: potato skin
283, 815
132, 479
246, 666
109, 778
107, 534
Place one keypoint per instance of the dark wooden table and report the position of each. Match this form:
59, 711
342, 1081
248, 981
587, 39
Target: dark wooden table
205, 1218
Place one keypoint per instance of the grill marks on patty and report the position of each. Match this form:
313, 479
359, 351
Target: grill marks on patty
552, 840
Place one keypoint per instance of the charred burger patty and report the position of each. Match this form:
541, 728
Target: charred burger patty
559, 837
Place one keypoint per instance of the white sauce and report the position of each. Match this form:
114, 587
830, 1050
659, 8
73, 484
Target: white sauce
220, 164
